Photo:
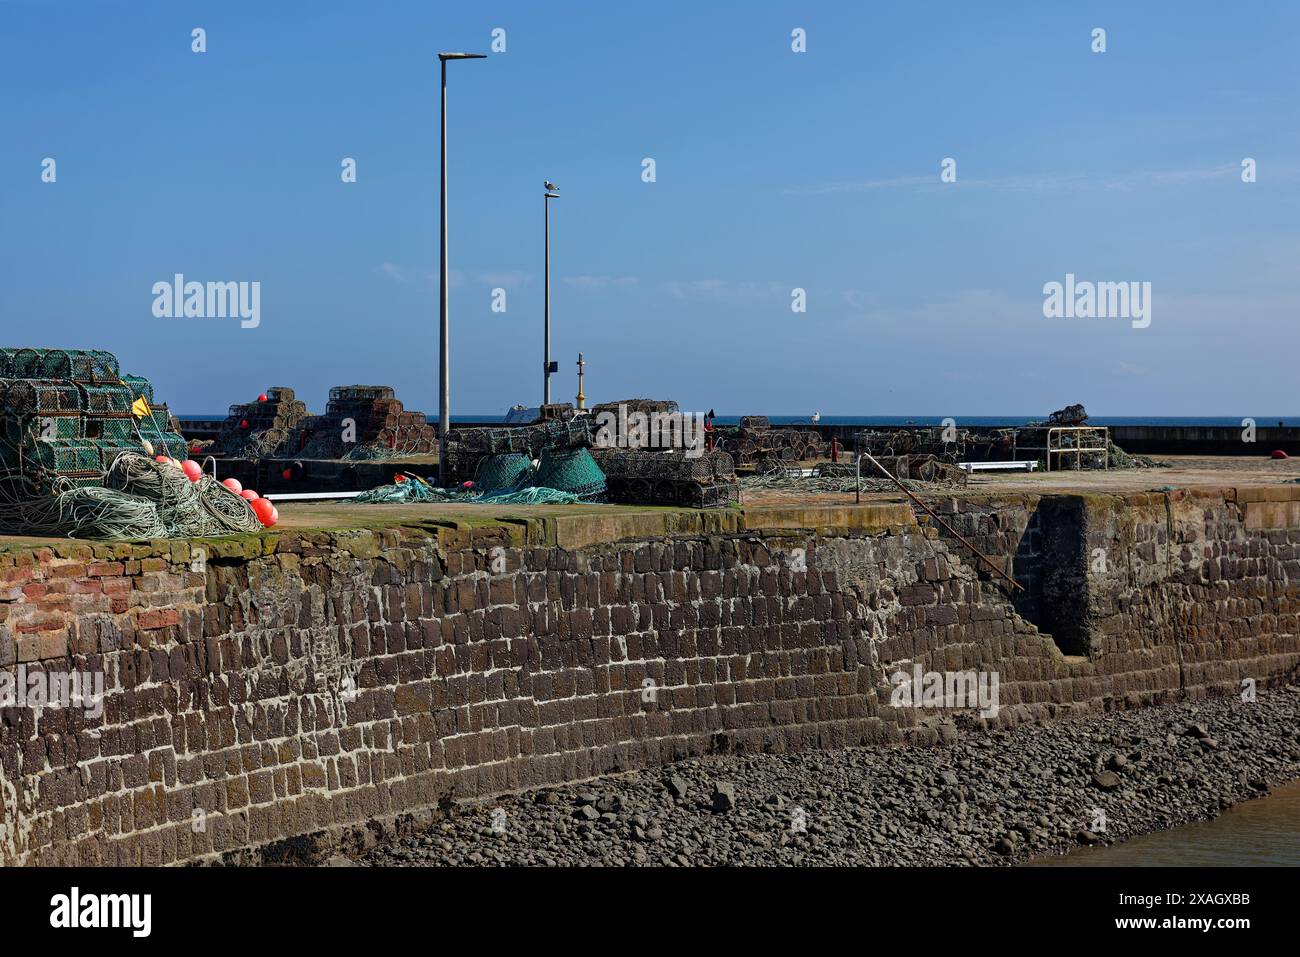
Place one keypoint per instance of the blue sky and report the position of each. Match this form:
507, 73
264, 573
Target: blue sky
775, 170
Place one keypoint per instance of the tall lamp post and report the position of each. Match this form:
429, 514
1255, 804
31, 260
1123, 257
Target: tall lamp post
444, 357
552, 192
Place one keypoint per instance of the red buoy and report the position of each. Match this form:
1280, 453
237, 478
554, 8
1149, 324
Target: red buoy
265, 512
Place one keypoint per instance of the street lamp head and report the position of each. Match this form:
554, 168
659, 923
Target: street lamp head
462, 56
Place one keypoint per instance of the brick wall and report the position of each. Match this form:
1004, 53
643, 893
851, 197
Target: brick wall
270, 688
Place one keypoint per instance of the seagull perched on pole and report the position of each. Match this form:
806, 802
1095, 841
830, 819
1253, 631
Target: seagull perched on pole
550, 187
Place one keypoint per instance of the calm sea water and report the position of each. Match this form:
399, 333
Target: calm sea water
970, 420
1265, 831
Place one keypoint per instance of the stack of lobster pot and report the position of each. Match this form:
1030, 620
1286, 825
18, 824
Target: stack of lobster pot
756, 443
363, 422
261, 428
466, 447
675, 477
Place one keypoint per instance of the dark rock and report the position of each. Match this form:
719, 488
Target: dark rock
724, 796
1106, 780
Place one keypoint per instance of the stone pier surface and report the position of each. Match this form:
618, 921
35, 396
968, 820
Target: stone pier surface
277, 691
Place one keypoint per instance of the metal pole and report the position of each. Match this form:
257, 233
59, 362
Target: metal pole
444, 359
546, 351
931, 512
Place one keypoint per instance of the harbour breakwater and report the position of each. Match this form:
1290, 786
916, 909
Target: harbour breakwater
268, 696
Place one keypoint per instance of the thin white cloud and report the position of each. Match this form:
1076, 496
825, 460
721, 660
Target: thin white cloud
393, 271
595, 283
1050, 182
455, 278
507, 279
724, 290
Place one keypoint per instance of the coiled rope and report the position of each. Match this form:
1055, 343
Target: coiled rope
139, 499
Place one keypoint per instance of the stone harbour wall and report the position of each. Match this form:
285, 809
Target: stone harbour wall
276, 691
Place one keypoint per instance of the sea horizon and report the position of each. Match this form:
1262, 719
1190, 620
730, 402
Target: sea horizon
1261, 421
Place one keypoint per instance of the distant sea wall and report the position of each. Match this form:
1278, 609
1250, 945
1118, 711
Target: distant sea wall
271, 694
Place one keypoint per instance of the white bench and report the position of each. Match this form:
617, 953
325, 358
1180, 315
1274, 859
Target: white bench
1021, 465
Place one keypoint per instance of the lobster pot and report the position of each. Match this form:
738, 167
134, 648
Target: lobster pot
570, 470
17, 429
718, 495
462, 464
106, 398
80, 365
508, 471
722, 465
573, 432
66, 456
27, 363
171, 444
37, 396
139, 387
67, 425
113, 428
108, 450
363, 393
158, 420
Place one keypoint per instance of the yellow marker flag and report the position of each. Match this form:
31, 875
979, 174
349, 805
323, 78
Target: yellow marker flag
140, 408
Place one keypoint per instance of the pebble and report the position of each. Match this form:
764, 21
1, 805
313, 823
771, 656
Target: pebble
1022, 793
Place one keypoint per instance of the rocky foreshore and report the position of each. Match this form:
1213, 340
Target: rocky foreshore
987, 798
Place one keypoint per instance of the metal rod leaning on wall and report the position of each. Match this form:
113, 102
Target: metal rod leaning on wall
929, 511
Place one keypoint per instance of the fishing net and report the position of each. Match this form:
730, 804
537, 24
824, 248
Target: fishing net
466, 447
510, 471
564, 476
570, 470
408, 492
